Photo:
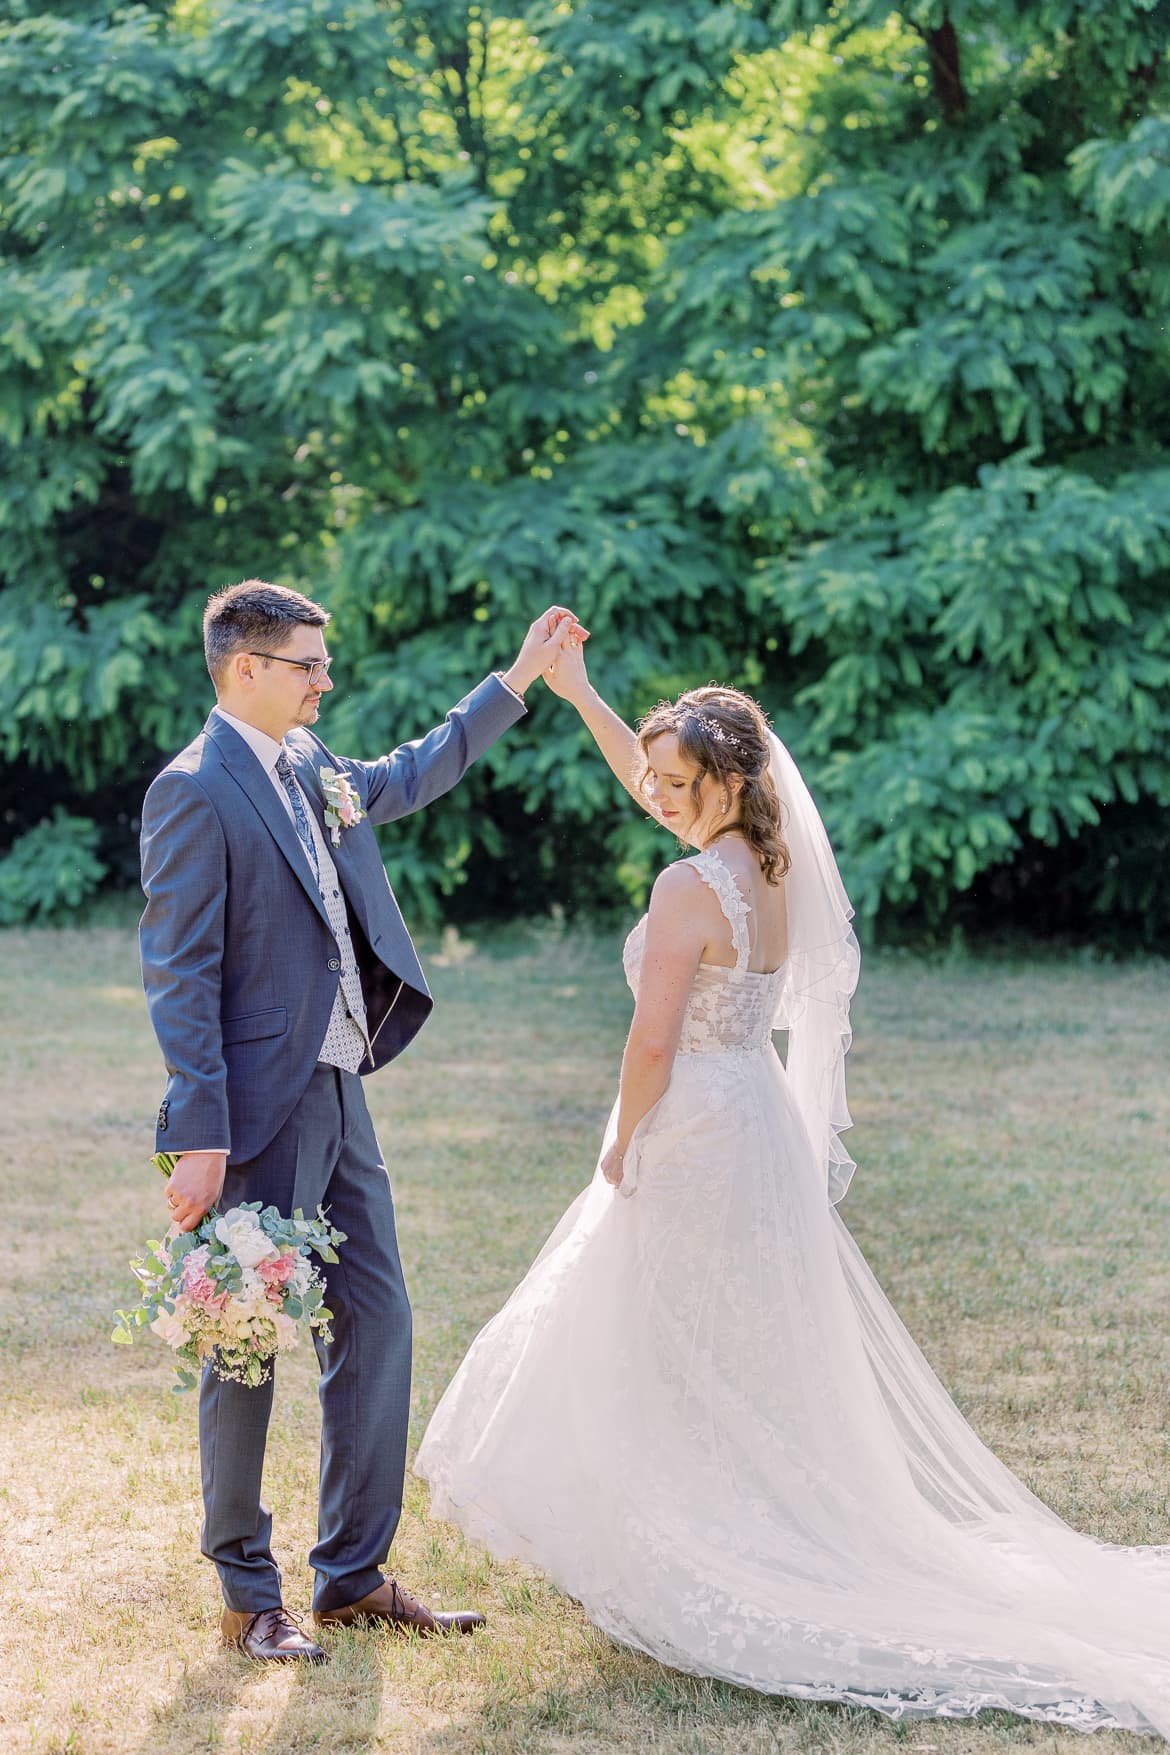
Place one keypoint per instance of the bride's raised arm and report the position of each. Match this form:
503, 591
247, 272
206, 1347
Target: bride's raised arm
613, 737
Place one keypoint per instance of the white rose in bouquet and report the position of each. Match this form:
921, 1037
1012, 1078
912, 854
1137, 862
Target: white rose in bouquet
240, 1232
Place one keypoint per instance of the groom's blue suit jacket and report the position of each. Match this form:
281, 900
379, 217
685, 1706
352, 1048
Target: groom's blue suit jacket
239, 963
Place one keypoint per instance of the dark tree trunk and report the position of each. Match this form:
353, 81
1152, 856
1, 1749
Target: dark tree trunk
943, 47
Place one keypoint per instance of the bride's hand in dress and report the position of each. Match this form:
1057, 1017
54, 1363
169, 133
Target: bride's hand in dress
611, 1166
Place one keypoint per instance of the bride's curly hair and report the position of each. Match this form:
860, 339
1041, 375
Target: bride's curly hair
724, 732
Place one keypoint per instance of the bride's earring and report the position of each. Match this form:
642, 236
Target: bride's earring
726, 804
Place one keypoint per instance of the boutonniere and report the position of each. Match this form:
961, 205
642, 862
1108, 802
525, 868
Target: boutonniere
342, 810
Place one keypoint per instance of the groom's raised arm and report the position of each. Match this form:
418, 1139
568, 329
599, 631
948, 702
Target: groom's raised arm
416, 773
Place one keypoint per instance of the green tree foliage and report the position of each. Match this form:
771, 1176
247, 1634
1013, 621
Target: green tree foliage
819, 348
49, 869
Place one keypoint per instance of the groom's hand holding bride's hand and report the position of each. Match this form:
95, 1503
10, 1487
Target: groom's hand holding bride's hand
542, 647
194, 1186
566, 675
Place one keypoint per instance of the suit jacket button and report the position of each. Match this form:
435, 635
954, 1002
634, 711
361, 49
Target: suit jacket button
334, 963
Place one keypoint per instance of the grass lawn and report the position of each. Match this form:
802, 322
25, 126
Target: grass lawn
1012, 1128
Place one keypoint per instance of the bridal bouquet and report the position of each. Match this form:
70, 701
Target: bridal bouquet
236, 1290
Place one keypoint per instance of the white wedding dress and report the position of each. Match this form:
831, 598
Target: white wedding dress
700, 1416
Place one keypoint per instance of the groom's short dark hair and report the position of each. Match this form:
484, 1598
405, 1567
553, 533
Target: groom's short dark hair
253, 616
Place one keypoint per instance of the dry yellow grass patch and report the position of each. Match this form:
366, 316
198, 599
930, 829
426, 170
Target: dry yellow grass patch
1012, 1131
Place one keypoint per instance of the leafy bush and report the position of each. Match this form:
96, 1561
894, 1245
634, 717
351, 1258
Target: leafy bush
49, 870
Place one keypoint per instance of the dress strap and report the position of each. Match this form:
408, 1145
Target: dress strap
733, 902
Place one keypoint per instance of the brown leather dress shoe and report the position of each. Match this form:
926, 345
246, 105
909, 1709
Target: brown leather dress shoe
391, 1606
271, 1636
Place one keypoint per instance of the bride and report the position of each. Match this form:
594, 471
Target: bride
698, 1413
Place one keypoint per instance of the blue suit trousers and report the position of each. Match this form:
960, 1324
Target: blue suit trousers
325, 1154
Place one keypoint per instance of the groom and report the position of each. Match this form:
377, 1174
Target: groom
277, 970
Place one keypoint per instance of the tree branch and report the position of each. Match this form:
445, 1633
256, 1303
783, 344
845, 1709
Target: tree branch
942, 46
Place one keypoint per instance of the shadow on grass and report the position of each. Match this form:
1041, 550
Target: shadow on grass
335, 1707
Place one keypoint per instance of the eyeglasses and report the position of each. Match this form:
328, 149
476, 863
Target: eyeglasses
316, 669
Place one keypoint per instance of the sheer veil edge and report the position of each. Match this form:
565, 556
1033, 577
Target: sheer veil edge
824, 961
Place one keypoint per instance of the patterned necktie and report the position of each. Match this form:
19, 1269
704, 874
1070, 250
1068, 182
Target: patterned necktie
346, 1041
284, 774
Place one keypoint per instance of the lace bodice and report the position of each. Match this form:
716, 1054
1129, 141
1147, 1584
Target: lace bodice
729, 1010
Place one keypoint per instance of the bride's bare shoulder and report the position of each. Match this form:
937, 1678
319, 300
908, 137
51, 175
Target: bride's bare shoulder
681, 892
681, 888
677, 885
684, 916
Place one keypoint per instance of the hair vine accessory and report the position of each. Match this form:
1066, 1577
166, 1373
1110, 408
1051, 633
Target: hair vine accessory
713, 729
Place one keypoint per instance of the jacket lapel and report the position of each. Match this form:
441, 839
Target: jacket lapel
359, 867
305, 767
258, 789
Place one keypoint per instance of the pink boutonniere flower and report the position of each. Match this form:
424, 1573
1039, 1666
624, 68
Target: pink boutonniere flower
342, 810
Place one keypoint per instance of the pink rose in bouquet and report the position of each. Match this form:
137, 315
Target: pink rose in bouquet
279, 1272
198, 1288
